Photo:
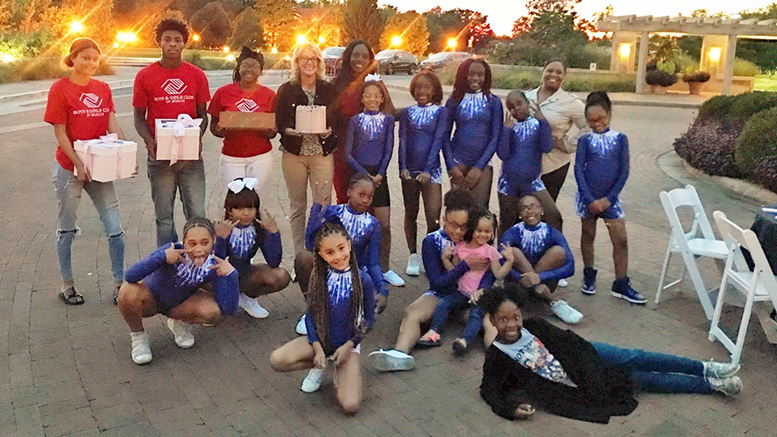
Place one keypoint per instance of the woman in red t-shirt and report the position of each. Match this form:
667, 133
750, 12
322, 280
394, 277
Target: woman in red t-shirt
246, 152
81, 108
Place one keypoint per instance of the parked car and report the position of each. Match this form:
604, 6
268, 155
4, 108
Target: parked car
332, 60
439, 60
391, 61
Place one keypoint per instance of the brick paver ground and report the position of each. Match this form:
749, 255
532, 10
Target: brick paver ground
67, 370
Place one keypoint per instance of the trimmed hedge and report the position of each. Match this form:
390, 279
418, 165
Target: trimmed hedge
758, 141
525, 79
709, 146
40, 68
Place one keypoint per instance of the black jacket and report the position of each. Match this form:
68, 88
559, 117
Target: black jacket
602, 391
287, 99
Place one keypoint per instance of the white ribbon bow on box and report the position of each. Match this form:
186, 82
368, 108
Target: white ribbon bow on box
237, 185
88, 155
373, 78
183, 122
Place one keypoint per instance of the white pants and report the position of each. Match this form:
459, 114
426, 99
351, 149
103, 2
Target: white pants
259, 167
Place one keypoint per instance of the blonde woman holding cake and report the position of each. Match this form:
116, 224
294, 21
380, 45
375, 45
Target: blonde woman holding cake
307, 157
246, 153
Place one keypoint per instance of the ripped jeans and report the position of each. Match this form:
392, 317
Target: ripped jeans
103, 195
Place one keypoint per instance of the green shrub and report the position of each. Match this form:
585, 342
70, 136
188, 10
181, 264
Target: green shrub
746, 105
208, 63
745, 68
40, 68
757, 141
716, 108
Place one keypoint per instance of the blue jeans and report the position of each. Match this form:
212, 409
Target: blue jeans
454, 301
68, 188
656, 372
188, 177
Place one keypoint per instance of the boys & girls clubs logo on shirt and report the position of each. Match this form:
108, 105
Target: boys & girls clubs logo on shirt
246, 105
93, 104
174, 87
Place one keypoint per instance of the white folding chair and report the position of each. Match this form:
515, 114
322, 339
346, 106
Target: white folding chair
689, 244
758, 285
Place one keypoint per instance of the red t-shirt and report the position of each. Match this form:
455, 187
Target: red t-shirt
166, 93
243, 143
84, 110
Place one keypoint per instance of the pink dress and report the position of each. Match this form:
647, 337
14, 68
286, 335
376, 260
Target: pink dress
470, 281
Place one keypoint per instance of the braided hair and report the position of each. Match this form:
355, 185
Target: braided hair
318, 293
199, 222
478, 212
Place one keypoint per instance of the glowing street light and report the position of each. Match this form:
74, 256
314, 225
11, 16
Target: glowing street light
196, 37
274, 50
624, 50
76, 27
230, 57
321, 40
7, 58
301, 39
225, 49
452, 43
396, 40
126, 37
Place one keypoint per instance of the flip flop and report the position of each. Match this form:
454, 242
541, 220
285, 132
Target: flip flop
71, 296
428, 340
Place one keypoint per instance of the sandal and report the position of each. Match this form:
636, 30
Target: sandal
430, 340
71, 296
460, 346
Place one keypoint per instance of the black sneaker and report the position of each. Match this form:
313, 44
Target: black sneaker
116, 295
621, 289
589, 281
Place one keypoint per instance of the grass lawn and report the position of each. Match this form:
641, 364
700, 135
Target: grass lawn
765, 82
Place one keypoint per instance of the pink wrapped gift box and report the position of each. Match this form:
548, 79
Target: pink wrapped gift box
178, 140
108, 158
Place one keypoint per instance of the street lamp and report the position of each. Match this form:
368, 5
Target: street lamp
452, 43
274, 50
225, 49
321, 39
230, 57
7, 58
301, 39
195, 37
76, 27
396, 40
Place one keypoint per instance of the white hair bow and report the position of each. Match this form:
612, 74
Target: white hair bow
237, 185
373, 78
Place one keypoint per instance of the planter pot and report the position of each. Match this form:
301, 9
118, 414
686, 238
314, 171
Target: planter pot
658, 89
695, 88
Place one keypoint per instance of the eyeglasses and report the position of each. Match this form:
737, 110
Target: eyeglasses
523, 208
304, 60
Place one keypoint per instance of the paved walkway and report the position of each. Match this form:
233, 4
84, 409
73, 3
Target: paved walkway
67, 370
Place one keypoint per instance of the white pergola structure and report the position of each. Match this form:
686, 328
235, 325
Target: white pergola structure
719, 40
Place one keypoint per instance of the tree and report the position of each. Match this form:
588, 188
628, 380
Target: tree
321, 24
362, 20
148, 32
463, 24
97, 19
411, 27
248, 31
278, 18
762, 53
5, 17
480, 33
550, 14
765, 13
213, 25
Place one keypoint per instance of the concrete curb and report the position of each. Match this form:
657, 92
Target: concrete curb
615, 100
676, 168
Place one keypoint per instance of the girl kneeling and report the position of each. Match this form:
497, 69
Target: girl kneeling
341, 309
168, 282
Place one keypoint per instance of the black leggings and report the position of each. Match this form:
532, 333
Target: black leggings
555, 180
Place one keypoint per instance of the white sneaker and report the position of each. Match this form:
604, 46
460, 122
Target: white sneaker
413, 265
183, 337
252, 307
312, 382
390, 360
302, 328
563, 283
141, 350
565, 312
393, 279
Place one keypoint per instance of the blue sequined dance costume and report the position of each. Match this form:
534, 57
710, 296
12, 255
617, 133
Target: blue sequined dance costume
601, 170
